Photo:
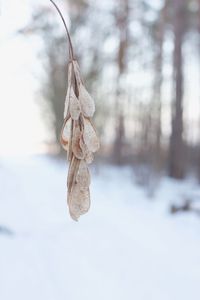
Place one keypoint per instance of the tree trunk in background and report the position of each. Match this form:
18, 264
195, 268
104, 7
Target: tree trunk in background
157, 86
198, 154
122, 22
176, 155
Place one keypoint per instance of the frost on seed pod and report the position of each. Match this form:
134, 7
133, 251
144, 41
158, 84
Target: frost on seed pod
79, 139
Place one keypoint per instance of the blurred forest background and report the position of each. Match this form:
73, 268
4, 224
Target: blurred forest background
141, 62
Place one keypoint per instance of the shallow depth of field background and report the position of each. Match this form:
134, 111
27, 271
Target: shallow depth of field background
141, 238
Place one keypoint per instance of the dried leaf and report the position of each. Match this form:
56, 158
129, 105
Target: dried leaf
86, 101
89, 136
74, 105
66, 134
79, 201
77, 135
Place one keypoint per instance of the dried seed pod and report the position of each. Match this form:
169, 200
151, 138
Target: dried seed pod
66, 110
66, 134
86, 101
73, 170
83, 175
89, 157
69, 152
69, 75
77, 72
88, 154
90, 137
77, 135
74, 105
83, 145
79, 201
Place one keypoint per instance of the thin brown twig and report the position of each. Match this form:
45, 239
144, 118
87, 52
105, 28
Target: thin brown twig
71, 51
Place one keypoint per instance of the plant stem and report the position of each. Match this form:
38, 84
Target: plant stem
71, 51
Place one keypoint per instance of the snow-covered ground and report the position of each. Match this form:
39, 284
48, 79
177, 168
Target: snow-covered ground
128, 247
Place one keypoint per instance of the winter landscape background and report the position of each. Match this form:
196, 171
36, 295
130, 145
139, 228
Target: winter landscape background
126, 247
141, 238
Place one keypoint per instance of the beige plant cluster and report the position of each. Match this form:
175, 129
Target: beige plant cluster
79, 139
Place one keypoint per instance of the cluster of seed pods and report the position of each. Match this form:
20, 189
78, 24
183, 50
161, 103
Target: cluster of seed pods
79, 139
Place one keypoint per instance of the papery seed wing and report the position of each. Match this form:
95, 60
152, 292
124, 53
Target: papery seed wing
79, 201
66, 109
79, 138
86, 101
88, 155
83, 175
69, 76
69, 152
73, 170
83, 145
74, 105
77, 72
77, 135
90, 137
66, 134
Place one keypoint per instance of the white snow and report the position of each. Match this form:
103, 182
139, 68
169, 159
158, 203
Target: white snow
128, 247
